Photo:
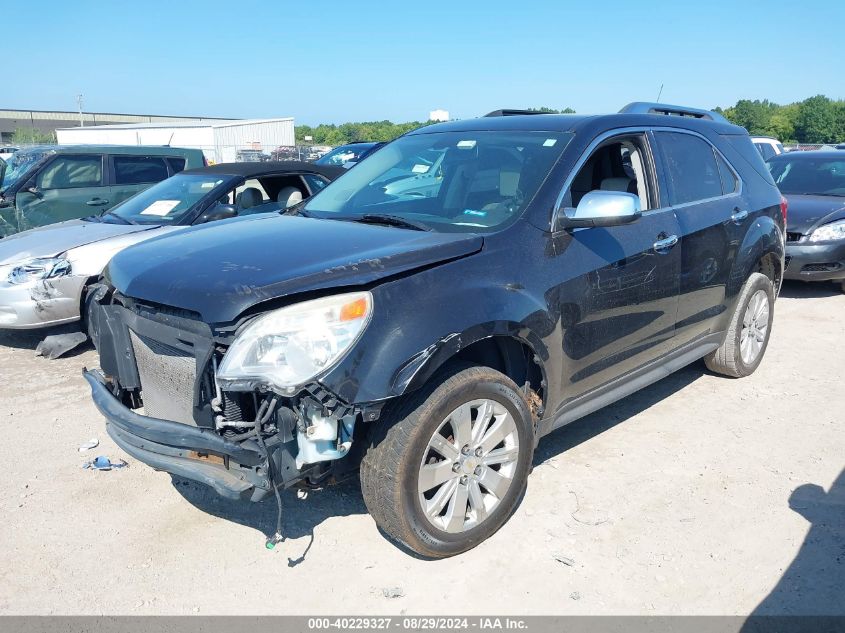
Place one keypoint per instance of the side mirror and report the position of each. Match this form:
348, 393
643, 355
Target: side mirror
599, 208
218, 212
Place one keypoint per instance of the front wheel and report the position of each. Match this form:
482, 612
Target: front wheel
748, 333
448, 467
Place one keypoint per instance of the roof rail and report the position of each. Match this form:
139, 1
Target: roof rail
512, 112
644, 107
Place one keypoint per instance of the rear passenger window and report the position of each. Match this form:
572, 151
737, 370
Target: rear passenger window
133, 170
729, 182
176, 164
690, 168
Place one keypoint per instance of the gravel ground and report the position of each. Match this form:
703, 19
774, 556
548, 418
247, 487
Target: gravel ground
698, 495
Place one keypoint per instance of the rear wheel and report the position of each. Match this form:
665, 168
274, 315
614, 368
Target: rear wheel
449, 466
748, 334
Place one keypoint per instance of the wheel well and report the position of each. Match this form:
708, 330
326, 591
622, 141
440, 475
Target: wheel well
516, 360
770, 266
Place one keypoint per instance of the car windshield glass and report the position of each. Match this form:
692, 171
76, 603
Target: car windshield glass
447, 181
343, 154
818, 175
171, 200
17, 166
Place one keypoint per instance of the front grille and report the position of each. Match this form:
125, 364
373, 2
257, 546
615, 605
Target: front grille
167, 379
821, 268
793, 237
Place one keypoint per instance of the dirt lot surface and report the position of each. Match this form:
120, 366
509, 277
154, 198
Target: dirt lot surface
698, 495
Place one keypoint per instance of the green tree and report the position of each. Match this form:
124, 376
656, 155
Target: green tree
25, 135
817, 120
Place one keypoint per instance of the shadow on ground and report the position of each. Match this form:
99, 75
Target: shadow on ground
814, 583
588, 427
300, 516
810, 290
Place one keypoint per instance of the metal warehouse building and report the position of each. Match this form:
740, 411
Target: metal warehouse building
221, 141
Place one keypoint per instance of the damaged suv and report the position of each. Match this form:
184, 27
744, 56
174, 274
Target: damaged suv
551, 265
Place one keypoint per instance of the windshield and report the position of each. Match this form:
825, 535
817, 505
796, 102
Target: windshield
169, 201
803, 174
344, 154
447, 181
17, 166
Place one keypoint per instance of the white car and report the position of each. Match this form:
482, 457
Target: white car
44, 271
767, 146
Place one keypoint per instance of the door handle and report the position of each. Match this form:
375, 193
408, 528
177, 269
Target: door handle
666, 243
738, 216
96, 202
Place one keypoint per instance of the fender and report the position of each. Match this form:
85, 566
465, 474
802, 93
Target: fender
415, 372
763, 237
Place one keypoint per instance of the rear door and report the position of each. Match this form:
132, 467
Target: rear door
132, 173
706, 194
66, 187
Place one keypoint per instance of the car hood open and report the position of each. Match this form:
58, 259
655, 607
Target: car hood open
222, 269
806, 212
47, 241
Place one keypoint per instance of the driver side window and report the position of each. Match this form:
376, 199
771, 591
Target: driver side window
618, 164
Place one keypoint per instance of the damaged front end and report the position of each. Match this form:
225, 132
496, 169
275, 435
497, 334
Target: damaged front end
233, 408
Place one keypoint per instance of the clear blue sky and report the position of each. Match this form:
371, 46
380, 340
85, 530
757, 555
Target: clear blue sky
330, 61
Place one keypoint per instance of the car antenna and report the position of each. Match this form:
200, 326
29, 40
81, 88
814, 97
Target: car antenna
170, 140
660, 92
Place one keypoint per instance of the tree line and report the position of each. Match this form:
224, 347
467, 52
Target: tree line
818, 119
814, 120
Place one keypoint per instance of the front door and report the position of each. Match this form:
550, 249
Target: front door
67, 187
618, 308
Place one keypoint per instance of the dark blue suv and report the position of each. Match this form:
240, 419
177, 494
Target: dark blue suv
431, 314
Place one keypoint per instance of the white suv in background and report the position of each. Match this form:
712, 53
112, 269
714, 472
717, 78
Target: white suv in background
767, 146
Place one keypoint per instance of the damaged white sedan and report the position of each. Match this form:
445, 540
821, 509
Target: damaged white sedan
44, 272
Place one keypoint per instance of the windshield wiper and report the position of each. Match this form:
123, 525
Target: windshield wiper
114, 215
391, 220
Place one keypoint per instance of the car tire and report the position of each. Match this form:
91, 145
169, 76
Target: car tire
843, 286
400, 462
750, 328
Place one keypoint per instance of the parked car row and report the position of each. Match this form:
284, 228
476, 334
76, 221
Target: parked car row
432, 313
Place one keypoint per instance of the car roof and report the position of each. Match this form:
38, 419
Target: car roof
107, 149
251, 169
578, 122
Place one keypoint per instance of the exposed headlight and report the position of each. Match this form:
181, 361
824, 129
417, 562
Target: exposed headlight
827, 232
287, 347
40, 268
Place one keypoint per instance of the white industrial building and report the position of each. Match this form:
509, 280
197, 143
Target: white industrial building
220, 141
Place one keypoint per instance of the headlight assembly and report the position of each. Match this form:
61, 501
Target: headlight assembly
288, 347
39, 268
828, 232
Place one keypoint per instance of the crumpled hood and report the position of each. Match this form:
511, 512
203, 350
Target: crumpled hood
221, 269
808, 212
47, 241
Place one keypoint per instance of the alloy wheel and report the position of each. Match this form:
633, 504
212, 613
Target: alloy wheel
468, 465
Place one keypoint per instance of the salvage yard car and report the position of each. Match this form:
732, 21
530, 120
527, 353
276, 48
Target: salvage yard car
564, 262
51, 183
44, 272
814, 184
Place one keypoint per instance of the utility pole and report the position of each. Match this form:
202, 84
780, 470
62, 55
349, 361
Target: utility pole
79, 103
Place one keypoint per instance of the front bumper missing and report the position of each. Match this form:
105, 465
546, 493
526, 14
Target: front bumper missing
236, 471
